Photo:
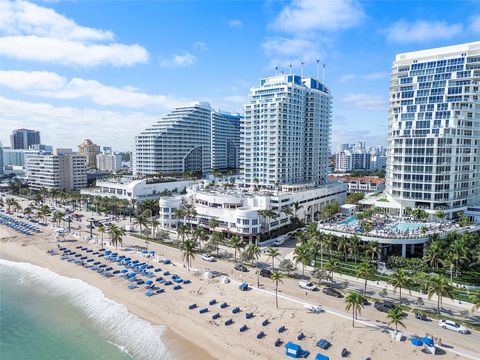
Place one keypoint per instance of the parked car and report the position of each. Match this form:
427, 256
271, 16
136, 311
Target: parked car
279, 242
307, 285
266, 273
452, 325
421, 316
206, 257
240, 267
332, 292
383, 306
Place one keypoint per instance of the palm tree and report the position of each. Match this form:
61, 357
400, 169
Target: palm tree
268, 214
102, 230
302, 255
217, 239
296, 207
435, 254
199, 234
116, 234
438, 285
253, 252
365, 270
331, 266
457, 255
188, 251
342, 246
440, 214
27, 211
371, 250
154, 223
133, 206
141, 220
274, 254
475, 300
236, 243
58, 216
179, 214
400, 280
277, 277
354, 244
354, 301
182, 232
396, 315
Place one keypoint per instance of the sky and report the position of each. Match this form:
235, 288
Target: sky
106, 70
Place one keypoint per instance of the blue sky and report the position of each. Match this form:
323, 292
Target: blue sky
107, 69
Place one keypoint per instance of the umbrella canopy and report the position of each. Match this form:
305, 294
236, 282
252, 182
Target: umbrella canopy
124, 271
149, 282
427, 341
416, 342
132, 274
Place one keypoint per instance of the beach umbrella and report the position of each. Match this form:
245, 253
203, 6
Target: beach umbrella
149, 282
427, 341
124, 271
132, 274
416, 342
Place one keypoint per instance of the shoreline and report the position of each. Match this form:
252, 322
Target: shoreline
177, 345
190, 335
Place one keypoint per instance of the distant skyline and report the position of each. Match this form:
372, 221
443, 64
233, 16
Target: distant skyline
105, 70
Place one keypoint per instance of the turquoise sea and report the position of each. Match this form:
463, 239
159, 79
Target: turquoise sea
45, 316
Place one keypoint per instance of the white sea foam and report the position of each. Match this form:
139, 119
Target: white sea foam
139, 338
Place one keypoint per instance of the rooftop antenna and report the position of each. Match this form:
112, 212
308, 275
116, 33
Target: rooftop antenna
290, 66
302, 67
318, 69
323, 75
276, 70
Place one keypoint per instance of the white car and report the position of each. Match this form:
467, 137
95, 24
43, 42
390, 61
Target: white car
279, 242
452, 325
206, 257
307, 285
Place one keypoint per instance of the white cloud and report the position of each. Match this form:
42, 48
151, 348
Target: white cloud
235, 23
67, 126
475, 23
365, 102
327, 15
200, 45
377, 75
236, 99
286, 51
35, 33
54, 86
422, 31
185, 59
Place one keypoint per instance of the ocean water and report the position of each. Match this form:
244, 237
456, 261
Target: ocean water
47, 316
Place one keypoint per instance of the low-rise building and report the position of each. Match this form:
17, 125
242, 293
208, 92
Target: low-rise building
238, 210
364, 184
139, 189
62, 170
109, 162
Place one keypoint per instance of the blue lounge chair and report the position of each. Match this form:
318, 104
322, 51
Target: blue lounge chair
186, 281
300, 336
223, 305
203, 310
177, 287
149, 293
132, 286
160, 291
229, 322
235, 310
192, 306
321, 357
265, 322
345, 353
249, 315
243, 328
215, 316
260, 335
323, 344
243, 287
278, 342
168, 283
212, 302
282, 329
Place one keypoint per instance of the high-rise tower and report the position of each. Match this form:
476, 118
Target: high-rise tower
285, 134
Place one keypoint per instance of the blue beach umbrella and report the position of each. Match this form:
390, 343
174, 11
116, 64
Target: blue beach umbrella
124, 271
427, 341
149, 282
416, 342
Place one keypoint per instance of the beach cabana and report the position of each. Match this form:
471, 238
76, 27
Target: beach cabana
293, 350
321, 357
427, 341
416, 342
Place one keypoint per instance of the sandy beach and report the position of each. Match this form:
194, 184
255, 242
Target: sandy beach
193, 335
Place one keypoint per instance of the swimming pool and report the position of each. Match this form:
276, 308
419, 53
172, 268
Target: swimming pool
351, 221
406, 226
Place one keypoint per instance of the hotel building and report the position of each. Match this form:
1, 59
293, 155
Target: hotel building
191, 138
433, 159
